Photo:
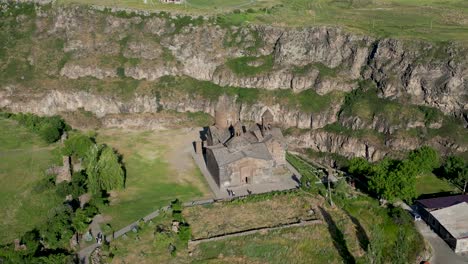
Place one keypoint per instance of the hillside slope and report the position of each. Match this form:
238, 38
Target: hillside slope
376, 96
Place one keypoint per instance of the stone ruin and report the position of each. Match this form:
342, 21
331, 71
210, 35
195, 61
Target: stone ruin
19, 246
64, 173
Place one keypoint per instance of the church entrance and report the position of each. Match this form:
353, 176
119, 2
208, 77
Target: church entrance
246, 175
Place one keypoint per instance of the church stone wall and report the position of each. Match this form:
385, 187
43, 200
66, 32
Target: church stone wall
212, 166
248, 170
277, 152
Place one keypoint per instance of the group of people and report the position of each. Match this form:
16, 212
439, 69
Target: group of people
231, 192
99, 238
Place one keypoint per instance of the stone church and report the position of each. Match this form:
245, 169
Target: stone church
239, 153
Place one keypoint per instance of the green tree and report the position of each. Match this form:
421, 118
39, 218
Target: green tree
452, 166
393, 179
425, 158
78, 144
80, 221
110, 169
456, 169
359, 166
92, 169
462, 177
49, 133
31, 240
104, 169
58, 230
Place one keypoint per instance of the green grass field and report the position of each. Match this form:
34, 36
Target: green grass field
429, 184
158, 171
24, 157
312, 244
414, 19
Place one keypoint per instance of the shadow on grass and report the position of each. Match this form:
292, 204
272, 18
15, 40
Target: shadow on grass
338, 238
360, 232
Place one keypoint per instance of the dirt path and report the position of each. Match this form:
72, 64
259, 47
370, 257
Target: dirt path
193, 243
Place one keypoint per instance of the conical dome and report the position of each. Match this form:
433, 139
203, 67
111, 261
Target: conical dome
226, 112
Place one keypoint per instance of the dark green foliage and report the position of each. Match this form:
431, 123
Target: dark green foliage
47, 183
430, 114
121, 72
104, 169
75, 188
359, 167
453, 166
78, 145
309, 176
456, 170
246, 66
58, 230
31, 240
393, 180
48, 128
426, 159
185, 232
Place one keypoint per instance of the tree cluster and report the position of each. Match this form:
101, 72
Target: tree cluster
102, 171
49, 128
396, 179
455, 169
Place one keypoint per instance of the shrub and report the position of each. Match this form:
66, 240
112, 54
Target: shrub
78, 145
185, 232
49, 133
48, 128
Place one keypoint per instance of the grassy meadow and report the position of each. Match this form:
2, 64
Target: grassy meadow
413, 19
24, 157
431, 184
158, 170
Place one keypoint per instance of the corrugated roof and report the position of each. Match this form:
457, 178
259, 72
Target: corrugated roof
442, 202
454, 219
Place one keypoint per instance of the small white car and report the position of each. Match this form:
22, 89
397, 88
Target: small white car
416, 216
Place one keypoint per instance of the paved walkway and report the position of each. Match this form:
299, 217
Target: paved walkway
441, 252
84, 253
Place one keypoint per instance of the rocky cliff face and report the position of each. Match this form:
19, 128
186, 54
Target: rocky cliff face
95, 44
55, 101
421, 73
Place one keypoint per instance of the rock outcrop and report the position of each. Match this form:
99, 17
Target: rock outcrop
324, 59
90, 45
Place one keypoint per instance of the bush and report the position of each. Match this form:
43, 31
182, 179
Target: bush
49, 133
185, 232
78, 145
48, 128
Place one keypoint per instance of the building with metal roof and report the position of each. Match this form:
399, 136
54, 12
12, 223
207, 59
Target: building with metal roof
451, 223
448, 216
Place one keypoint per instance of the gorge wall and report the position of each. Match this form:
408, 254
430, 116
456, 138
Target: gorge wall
69, 58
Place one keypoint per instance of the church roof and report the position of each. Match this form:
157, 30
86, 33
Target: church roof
237, 143
224, 155
227, 148
219, 135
